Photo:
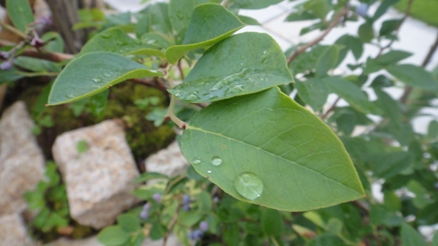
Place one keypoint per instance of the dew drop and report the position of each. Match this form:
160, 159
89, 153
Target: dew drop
107, 75
196, 161
248, 185
97, 80
264, 52
71, 96
106, 35
193, 96
209, 171
216, 161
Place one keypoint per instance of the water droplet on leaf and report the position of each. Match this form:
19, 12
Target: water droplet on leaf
106, 35
97, 80
248, 185
209, 171
216, 161
196, 161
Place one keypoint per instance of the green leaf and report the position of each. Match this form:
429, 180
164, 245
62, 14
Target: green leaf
392, 57
180, 12
20, 13
435, 239
205, 29
366, 32
249, 20
144, 177
35, 64
313, 92
113, 236
156, 231
319, 8
272, 222
351, 43
252, 4
273, 153
414, 76
326, 240
53, 42
115, 40
11, 75
129, 223
351, 93
242, 64
383, 8
432, 129
411, 237
327, 61
389, 27
93, 73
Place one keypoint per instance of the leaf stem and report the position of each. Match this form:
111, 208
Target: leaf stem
335, 21
170, 115
333, 107
12, 29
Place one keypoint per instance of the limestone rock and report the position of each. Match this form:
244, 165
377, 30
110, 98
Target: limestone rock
92, 241
100, 180
169, 161
13, 231
21, 160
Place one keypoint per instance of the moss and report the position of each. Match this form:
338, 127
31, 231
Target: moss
142, 136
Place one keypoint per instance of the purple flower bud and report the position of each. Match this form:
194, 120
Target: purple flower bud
215, 199
195, 235
147, 206
186, 199
157, 197
37, 42
186, 207
203, 226
4, 55
362, 9
6, 65
144, 214
46, 20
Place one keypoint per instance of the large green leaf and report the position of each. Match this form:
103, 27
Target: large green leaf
265, 149
239, 65
20, 13
180, 12
414, 76
205, 29
93, 73
352, 94
411, 237
117, 41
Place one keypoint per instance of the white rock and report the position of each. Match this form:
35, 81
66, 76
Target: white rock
169, 161
91, 241
100, 180
21, 160
13, 231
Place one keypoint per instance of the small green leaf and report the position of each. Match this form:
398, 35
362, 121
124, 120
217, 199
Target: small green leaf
252, 4
53, 42
205, 29
392, 57
350, 43
313, 92
327, 61
242, 64
432, 129
20, 13
113, 236
414, 76
389, 27
366, 32
351, 93
249, 20
411, 237
272, 222
117, 41
293, 160
81, 146
150, 175
129, 223
93, 73
383, 8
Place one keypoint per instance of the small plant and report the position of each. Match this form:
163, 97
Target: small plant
49, 200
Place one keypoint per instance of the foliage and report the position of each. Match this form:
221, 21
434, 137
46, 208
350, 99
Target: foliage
257, 150
49, 199
421, 9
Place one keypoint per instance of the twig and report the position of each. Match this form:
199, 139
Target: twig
171, 225
408, 89
333, 107
181, 72
335, 21
407, 13
152, 82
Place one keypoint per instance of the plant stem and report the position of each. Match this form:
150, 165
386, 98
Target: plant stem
12, 29
335, 21
333, 107
170, 115
408, 89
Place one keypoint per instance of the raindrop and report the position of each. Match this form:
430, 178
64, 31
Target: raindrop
71, 96
193, 96
209, 171
241, 64
248, 185
235, 89
106, 35
196, 161
107, 75
97, 80
216, 161
264, 52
